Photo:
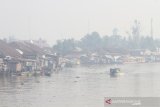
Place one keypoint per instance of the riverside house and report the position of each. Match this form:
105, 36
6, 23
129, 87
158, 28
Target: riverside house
24, 56
31, 58
9, 58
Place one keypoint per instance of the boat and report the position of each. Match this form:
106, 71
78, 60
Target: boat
115, 71
47, 73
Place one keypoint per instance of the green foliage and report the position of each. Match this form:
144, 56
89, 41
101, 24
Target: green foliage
91, 42
114, 43
64, 46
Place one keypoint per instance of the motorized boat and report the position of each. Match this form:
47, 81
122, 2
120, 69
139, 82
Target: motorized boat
47, 73
115, 71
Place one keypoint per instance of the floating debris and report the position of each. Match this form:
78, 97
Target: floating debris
37, 81
77, 77
22, 83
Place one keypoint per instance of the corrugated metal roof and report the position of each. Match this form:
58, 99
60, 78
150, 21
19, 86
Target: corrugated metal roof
7, 50
27, 48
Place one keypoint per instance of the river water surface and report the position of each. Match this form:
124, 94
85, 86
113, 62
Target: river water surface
80, 86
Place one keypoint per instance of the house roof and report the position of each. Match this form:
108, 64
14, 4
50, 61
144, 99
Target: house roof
7, 50
27, 48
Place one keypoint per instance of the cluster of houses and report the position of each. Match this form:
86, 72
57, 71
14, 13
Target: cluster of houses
134, 56
32, 56
25, 56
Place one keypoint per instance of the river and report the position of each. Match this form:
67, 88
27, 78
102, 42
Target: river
80, 86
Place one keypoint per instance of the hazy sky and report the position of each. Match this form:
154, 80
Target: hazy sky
58, 19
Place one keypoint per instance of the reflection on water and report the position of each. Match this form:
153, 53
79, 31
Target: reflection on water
79, 87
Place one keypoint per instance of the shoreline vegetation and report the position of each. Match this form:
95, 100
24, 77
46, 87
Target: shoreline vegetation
36, 56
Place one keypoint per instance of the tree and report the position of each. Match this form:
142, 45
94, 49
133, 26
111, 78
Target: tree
65, 46
147, 43
91, 42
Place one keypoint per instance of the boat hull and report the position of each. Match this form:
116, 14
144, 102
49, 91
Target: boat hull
115, 71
